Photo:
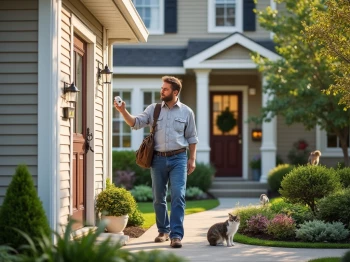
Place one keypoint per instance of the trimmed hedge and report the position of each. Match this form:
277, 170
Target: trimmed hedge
276, 176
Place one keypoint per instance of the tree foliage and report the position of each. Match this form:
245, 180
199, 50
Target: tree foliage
296, 81
332, 31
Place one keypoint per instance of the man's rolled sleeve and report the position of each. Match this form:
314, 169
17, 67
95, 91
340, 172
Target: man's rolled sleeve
191, 131
143, 119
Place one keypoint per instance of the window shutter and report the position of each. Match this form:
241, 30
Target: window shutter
249, 17
170, 16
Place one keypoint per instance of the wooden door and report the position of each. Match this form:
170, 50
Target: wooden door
226, 147
79, 134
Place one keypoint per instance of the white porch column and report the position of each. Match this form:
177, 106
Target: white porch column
202, 115
268, 147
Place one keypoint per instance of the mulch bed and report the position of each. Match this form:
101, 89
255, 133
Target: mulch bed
134, 232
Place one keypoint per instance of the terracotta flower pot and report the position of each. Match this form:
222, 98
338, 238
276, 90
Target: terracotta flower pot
115, 224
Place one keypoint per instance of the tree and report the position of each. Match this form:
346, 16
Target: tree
332, 31
295, 82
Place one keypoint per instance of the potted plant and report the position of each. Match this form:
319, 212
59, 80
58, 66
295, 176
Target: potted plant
255, 165
115, 204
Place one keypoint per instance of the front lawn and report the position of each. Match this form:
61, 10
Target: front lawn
192, 206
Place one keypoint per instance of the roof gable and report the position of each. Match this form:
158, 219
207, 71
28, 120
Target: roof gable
200, 60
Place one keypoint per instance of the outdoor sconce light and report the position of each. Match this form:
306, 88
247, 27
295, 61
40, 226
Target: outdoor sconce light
256, 134
71, 95
252, 91
68, 112
70, 92
104, 74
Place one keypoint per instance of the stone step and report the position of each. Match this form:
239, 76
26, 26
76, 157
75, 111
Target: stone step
237, 192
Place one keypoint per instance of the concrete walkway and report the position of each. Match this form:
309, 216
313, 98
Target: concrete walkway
196, 247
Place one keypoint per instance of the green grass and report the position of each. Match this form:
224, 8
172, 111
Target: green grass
326, 259
272, 243
192, 207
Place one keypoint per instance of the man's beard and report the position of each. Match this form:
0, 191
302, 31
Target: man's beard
168, 98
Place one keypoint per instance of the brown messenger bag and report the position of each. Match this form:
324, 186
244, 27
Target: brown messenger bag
144, 154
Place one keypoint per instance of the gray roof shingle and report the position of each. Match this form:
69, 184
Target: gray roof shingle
168, 56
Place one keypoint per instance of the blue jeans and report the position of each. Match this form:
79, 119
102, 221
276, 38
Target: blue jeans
171, 169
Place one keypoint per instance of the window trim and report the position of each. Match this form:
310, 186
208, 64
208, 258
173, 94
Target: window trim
212, 28
321, 143
160, 31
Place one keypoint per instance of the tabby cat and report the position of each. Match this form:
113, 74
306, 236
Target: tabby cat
219, 232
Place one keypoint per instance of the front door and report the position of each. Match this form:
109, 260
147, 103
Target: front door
226, 133
79, 134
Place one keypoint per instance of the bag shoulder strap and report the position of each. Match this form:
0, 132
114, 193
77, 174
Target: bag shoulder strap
156, 114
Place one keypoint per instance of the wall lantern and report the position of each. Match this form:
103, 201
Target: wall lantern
70, 92
256, 134
105, 74
71, 95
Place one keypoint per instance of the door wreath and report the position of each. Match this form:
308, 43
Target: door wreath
226, 121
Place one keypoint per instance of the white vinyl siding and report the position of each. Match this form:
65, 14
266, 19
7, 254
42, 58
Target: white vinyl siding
18, 89
77, 9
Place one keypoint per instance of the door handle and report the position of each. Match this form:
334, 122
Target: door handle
89, 137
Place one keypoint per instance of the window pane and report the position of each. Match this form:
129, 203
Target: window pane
116, 142
230, 22
147, 98
138, 2
116, 127
127, 141
157, 97
219, 21
220, 11
126, 128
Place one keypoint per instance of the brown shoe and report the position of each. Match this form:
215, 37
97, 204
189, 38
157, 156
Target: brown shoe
162, 237
176, 243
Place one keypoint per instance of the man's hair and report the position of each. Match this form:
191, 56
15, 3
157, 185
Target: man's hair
174, 82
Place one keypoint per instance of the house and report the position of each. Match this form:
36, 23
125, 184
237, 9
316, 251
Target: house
45, 46
208, 44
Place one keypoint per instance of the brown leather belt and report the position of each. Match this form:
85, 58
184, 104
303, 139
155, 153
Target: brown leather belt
170, 153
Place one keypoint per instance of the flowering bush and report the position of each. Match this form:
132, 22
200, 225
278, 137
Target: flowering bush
257, 224
281, 227
299, 154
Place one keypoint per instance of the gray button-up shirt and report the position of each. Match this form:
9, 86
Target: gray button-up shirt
176, 127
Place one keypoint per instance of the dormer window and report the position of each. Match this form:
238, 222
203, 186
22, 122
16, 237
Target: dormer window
152, 14
225, 16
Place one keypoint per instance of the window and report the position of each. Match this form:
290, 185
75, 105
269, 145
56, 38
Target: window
150, 97
152, 14
225, 16
329, 143
121, 130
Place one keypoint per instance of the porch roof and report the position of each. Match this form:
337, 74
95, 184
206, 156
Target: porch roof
120, 18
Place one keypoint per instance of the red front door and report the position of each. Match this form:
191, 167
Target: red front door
226, 146
79, 134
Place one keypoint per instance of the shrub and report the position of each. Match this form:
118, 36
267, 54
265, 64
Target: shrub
298, 212
257, 224
194, 193
346, 257
142, 193
245, 213
22, 209
276, 176
136, 218
201, 177
281, 227
319, 231
299, 153
115, 201
308, 184
126, 160
344, 175
335, 207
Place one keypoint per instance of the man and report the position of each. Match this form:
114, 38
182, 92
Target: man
174, 133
